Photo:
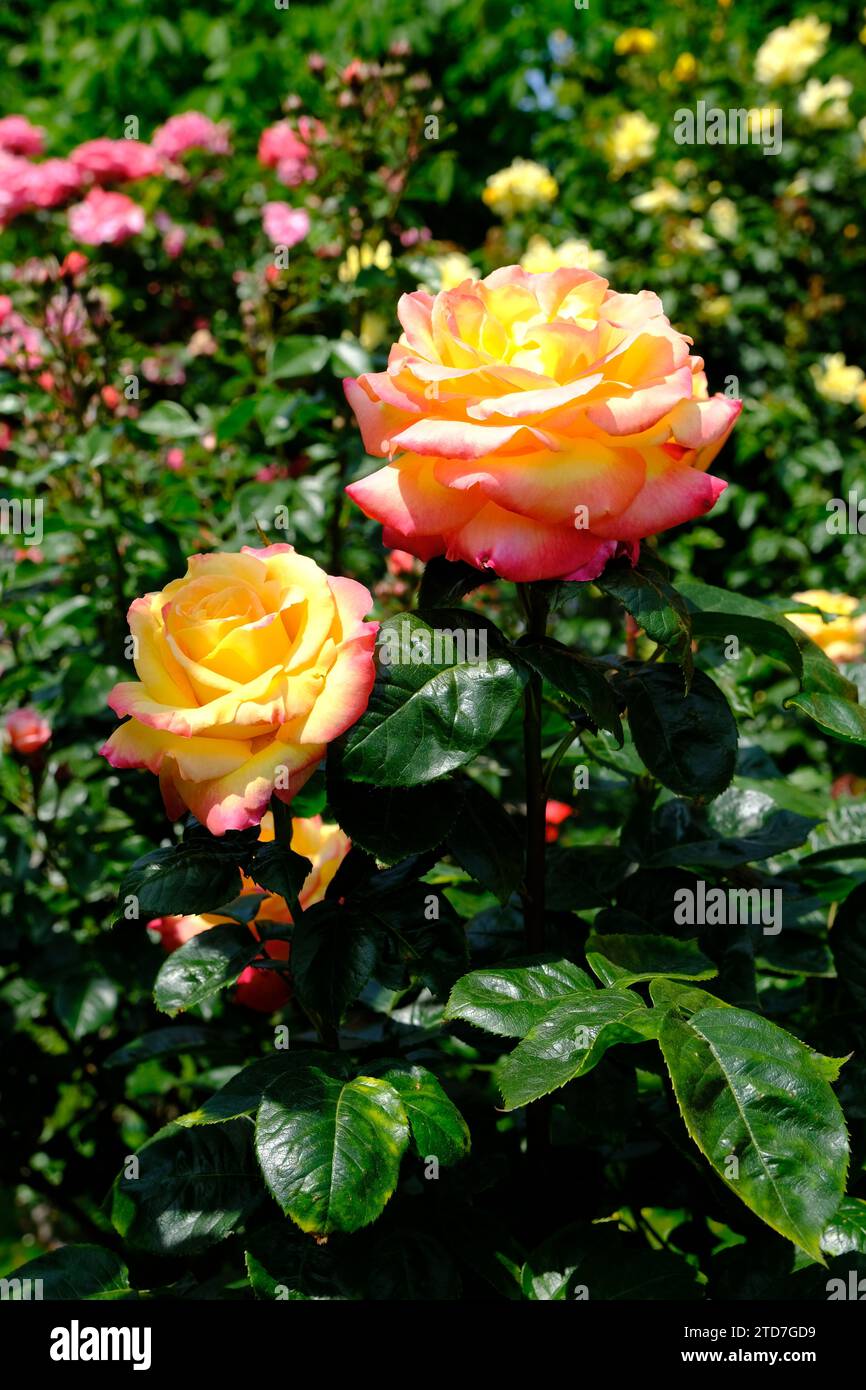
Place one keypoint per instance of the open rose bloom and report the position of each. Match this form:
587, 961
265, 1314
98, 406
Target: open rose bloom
537, 424
248, 667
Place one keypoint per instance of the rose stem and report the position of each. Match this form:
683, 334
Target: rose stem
535, 602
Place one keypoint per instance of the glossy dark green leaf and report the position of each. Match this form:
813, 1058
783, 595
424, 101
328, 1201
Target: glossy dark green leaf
203, 965
437, 701
72, 1272
509, 1000
578, 678
485, 841
280, 870
333, 955
840, 718
392, 822
571, 1040
243, 1093
437, 1127
721, 614
186, 878
748, 828
330, 1149
689, 742
646, 593
192, 1188
845, 1233
162, 1042
445, 582
623, 959
759, 1105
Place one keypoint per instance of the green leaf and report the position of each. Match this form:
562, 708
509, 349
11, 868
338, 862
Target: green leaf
333, 955
447, 581
192, 1189
186, 878
570, 1041
391, 822
509, 1000
412, 1266
236, 419
280, 870
766, 632
298, 356
598, 1263
689, 742
438, 1129
169, 419
838, 717
330, 1148
848, 944
749, 828
73, 1272
845, 1233
625, 960
485, 841
203, 965
577, 678
749, 1091
85, 1001
445, 687
653, 603
720, 614
162, 1042
243, 1093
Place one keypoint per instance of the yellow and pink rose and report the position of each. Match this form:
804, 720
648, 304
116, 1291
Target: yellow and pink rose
537, 425
247, 668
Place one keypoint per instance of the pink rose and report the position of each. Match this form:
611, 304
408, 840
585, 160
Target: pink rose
190, 131
25, 186
18, 136
117, 161
105, 218
281, 148
28, 731
285, 225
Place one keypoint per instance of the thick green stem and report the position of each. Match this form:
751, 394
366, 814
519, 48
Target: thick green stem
535, 603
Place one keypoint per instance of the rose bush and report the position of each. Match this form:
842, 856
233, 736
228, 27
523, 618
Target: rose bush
544, 905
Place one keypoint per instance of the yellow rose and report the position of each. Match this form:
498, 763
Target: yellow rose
248, 667
524, 185
835, 379
630, 142
789, 51
635, 41
842, 638
572, 254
